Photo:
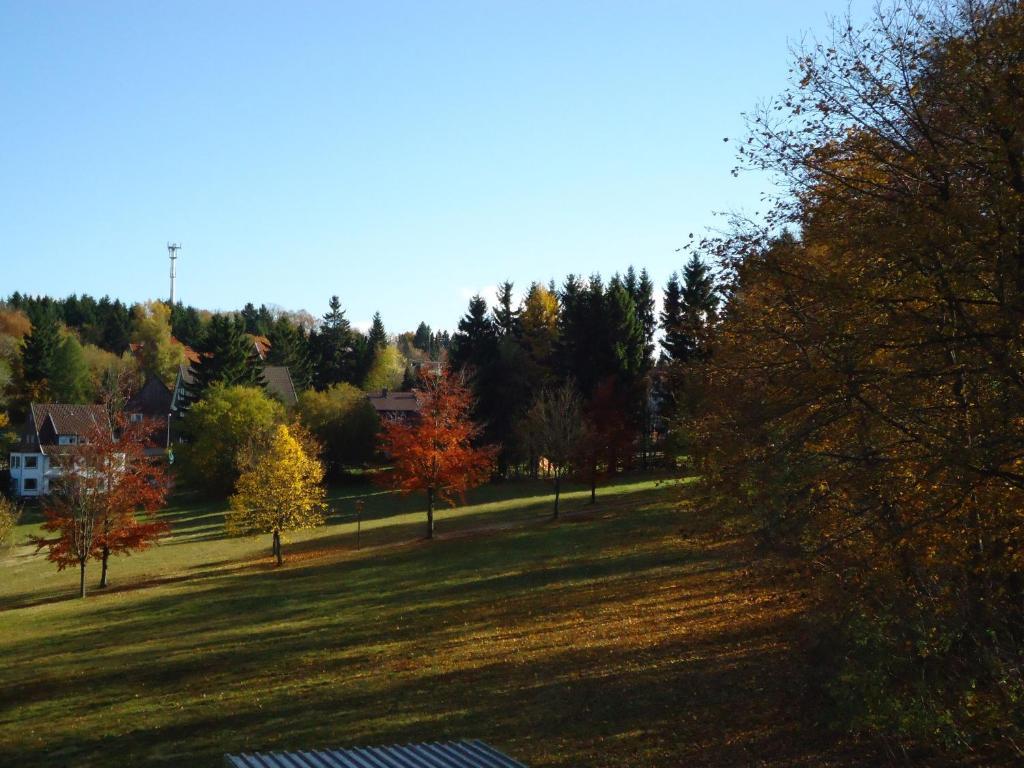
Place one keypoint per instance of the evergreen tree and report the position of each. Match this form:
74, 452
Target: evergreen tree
78, 312
595, 358
362, 358
40, 351
644, 300
672, 343
332, 345
186, 325
571, 325
115, 321
698, 310
627, 346
422, 338
506, 317
257, 321
289, 347
475, 343
228, 357
378, 337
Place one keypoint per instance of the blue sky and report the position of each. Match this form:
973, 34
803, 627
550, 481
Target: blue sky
402, 155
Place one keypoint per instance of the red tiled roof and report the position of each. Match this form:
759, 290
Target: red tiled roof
69, 419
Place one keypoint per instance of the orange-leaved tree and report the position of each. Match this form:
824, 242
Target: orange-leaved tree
106, 481
435, 451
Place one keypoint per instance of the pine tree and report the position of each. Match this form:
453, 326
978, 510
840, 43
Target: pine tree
186, 325
644, 300
116, 321
257, 321
378, 337
570, 327
422, 338
698, 309
475, 343
288, 347
671, 319
228, 357
628, 349
506, 318
39, 353
333, 347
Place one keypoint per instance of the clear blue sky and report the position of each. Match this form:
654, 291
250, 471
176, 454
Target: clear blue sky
402, 155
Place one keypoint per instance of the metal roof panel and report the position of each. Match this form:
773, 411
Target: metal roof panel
452, 754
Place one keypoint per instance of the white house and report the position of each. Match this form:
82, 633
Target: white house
48, 427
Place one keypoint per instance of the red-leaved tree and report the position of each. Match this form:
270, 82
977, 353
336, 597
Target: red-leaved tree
106, 481
434, 452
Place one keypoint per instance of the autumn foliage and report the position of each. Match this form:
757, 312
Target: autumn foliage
866, 397
281, 490
435, 452
96, 509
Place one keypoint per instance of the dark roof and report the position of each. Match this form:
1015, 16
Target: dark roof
278, 379
154, 399
452, 754
394, 402
68, 419
279, 383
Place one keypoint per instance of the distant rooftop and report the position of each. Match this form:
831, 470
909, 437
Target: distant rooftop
394, 402
452, 754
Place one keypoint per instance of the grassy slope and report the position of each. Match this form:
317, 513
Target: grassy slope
635, 635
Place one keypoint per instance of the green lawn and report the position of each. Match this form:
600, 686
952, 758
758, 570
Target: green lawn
199, 545
636, 632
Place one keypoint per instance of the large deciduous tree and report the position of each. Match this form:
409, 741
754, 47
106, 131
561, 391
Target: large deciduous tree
866, 392
435, 452
157, 351
97, 507
70, 381
344, 422
227, 424
281, 490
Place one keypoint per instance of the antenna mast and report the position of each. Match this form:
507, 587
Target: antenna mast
172, 251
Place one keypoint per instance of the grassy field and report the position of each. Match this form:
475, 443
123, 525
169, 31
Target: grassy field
636, 632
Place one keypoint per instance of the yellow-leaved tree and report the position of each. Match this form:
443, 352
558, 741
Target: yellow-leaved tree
282, 490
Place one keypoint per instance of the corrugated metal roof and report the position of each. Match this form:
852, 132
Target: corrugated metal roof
452, 754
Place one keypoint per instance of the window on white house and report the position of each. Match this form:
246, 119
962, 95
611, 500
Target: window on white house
15, 462
135, 418
31, 462
30, 484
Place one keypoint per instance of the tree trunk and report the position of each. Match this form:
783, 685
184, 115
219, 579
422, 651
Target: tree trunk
277, 547
558, 484
430, 513
103, 570
593, 489
81, 578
